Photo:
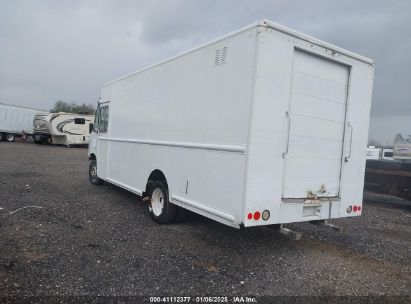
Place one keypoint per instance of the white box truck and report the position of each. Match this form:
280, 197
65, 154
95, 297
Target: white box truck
16, 121
263, 126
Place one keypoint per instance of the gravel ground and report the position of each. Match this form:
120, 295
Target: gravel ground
89, 240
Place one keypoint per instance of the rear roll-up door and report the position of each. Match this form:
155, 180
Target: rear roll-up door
316, 116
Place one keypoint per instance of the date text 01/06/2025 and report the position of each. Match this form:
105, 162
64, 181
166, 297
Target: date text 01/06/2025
203, 299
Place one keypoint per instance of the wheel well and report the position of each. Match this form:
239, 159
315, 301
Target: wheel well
156, 175
92, 156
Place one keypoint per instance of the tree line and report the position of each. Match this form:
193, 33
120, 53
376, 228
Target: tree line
72, 107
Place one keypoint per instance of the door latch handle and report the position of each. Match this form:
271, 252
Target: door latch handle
287, 115
349, 150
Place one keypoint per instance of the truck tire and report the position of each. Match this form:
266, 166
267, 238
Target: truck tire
161, 210
10, 137
1, 136
92, 174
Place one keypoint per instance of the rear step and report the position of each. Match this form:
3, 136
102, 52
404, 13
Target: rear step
327, 223
294, 235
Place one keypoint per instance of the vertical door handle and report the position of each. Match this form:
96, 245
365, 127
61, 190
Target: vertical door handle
287, 115
349, 150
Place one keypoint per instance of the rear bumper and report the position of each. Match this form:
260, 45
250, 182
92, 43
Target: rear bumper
300, 211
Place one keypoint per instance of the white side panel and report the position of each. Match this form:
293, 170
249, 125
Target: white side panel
358, 116
268, 126
189, 118
317, 121
102, 150
211, 180
195, 98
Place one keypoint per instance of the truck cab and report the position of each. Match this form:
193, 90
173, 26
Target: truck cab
99, 141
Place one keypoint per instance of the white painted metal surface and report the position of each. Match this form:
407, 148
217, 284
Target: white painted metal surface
316, 127
17, 120
262, 108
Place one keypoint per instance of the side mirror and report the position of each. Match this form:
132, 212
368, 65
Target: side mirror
90, 128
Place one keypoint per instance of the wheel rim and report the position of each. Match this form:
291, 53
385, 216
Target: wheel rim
10, 137
93, 172
157, 201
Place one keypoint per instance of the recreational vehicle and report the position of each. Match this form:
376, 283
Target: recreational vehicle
16, 121
62, 128
402, 151
263, 126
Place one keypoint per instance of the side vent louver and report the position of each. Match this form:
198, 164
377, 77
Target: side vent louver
221, 56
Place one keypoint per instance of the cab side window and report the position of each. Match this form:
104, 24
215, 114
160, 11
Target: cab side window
96, 120
103, 119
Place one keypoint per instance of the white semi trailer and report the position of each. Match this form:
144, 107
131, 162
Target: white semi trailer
263, 126
16, 121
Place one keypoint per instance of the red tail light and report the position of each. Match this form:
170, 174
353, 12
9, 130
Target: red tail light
257, 215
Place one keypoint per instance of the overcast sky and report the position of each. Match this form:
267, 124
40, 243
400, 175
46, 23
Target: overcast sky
52, 50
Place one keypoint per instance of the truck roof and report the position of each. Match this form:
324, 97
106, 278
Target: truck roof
263, 23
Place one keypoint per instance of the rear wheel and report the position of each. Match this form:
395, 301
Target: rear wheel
10, 137
92, 173
1, 136
161, 210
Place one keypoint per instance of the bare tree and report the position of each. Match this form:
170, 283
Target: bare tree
398, 138
373, 142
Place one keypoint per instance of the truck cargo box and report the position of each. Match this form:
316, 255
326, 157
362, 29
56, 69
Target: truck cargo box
263, 126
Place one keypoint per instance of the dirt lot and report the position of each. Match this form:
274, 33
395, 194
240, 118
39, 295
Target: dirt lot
90, 240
